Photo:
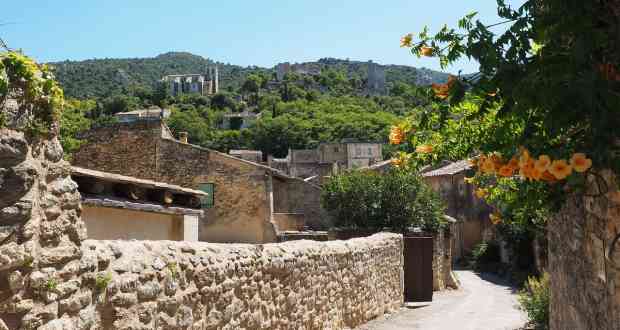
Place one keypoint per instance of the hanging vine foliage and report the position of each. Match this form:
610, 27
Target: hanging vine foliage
548, 83
38, 98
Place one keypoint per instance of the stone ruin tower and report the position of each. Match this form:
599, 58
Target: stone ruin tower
376, 79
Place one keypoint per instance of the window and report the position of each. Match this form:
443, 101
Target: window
358, 151
208, 201
369, 151
336, 149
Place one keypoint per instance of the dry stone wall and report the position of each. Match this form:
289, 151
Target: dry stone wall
294, 285
584, 259
40, 230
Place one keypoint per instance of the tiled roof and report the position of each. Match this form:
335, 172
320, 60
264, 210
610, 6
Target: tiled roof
450, 169
112, 177
153, 111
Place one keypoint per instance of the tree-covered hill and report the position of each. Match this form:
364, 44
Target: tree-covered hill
105, 77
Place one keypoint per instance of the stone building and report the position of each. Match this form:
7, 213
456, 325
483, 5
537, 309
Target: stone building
250, 202
239, 120
471, 213
329, 158
203, 84
120, 207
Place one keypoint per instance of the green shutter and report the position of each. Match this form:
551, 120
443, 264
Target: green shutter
207, 201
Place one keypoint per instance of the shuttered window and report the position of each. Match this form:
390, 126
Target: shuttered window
208, 201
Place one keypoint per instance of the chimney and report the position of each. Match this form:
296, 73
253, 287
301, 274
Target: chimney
183, 137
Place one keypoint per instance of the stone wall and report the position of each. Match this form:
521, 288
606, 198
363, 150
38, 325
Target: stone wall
40, 228
122, 148
442, 262
181, 164
584, 260
181, 285
294, 285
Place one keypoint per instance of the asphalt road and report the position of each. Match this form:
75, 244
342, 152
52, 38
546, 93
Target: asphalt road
482, 303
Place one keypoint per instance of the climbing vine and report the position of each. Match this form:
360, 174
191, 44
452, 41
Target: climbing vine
548, 85
32, 86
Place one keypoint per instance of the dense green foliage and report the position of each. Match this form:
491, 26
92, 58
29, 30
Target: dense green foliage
299, 113
548, 81
72, 121
485, 257
100, 78
397, 200
38, 96
107, 77
534, 299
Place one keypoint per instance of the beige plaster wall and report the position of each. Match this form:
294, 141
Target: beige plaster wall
111, 223
242, 211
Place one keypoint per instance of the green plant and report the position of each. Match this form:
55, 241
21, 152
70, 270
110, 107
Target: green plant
485, 256
534, 299
51, 284
543, 70
28, 261
398, 199
173, 269
102, 281
35, 90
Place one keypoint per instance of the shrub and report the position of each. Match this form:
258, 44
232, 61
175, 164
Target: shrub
397, 199
485, 256
534, 299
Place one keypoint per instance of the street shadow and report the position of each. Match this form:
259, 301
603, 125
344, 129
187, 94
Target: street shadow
498, 280
492, 278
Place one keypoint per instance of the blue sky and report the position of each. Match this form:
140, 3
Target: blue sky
251, 32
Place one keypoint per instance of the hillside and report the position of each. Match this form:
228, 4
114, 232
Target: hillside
105, 77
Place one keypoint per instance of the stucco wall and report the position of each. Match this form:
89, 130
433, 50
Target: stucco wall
584, 266
111, 223
242, 203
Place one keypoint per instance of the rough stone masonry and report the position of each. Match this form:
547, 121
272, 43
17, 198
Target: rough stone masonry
584, 258
52, 278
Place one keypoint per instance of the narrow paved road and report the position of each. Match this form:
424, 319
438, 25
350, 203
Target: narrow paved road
482, 303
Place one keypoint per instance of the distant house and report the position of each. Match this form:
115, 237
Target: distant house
152, 113
329, 158
120, 207
470, 212
239, 120
248, 202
